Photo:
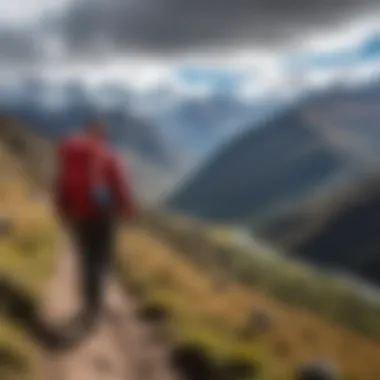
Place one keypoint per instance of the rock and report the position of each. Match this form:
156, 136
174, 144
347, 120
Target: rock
194, 364
259, 322
318, 371
155, 314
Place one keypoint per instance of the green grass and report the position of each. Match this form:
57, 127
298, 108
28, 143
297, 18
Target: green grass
166, 284
208, 291
26, 263
19, 358
287, 280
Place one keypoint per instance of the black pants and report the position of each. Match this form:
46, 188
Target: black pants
95, 241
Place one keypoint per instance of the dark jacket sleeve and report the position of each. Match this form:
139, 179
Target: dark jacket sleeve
121, 187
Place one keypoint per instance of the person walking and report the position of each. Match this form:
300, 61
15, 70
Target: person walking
92, 194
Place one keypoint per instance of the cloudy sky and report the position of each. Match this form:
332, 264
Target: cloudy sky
145, 38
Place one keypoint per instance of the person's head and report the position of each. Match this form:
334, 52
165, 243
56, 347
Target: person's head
97, 129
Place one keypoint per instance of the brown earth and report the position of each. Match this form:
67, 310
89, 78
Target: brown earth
120, 348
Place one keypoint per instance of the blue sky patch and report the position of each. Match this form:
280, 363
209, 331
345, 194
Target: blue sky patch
218, 79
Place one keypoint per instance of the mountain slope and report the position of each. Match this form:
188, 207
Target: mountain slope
280, 161
349, 239
289, 181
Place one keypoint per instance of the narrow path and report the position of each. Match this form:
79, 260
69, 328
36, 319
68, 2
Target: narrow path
121, 347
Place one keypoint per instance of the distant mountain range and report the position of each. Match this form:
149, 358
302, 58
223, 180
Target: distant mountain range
56, 111
74, 106
261, 169
175, 134
202, 124
279, 169
329, 135
286, 179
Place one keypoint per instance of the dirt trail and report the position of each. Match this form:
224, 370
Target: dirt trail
120, 348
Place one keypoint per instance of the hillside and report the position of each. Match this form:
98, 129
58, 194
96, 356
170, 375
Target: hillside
175, 264
28, 240
283, 160
349, 239
333, 132
40, 291
287, 180
231, 312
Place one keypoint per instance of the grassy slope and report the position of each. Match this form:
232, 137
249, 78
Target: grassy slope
210, 307
26, 261
210, 291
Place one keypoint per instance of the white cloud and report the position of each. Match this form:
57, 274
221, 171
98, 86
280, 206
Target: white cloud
198, 90
320, 79
266, 72
365, 72
265, 78
139, 75
25, 11
347, 36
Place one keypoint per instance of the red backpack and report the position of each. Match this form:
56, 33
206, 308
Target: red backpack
82, 181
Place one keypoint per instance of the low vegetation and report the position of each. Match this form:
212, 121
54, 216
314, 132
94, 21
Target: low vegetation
28, 237
335, 298
237, 314
228, 312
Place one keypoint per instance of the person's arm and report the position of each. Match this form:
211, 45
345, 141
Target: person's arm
122, 189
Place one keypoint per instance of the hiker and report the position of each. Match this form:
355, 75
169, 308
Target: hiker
92, 194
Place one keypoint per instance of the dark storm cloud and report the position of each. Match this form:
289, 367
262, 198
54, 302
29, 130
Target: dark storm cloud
171, 25
18, 47
103, 28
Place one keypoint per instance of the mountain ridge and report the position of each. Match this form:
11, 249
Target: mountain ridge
315, 153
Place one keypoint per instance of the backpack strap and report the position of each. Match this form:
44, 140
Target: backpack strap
99, 189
